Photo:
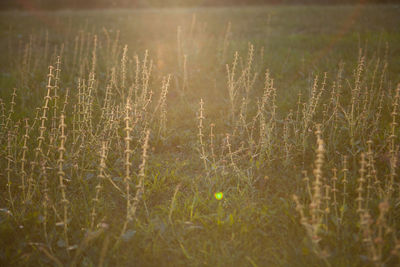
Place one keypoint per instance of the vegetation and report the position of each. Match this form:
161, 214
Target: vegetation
208, 137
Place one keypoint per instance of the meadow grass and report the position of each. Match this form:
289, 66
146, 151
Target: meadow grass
117, 128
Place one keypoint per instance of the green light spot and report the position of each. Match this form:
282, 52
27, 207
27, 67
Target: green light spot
219, 195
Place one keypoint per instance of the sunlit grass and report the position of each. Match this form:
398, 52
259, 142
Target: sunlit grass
200, 137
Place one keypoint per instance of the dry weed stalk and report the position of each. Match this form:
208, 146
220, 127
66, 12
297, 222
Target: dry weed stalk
377, 234
46, 200
315, 223
41, 137
12, 108
127, 158
163, 105
124, 60
61, 174
200, 135
345, 181
2, 117
54, 103
24, 159
360, 189
185, 82
141, 176
335, 192
10, 162
232, 90
101, 176
212, 137
393, 147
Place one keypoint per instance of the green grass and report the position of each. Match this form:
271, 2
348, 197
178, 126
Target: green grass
256, 223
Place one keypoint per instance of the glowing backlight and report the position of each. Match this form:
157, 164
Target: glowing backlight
219, 195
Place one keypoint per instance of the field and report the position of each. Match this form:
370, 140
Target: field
241, 136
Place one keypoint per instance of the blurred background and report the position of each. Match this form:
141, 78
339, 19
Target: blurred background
89, 4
